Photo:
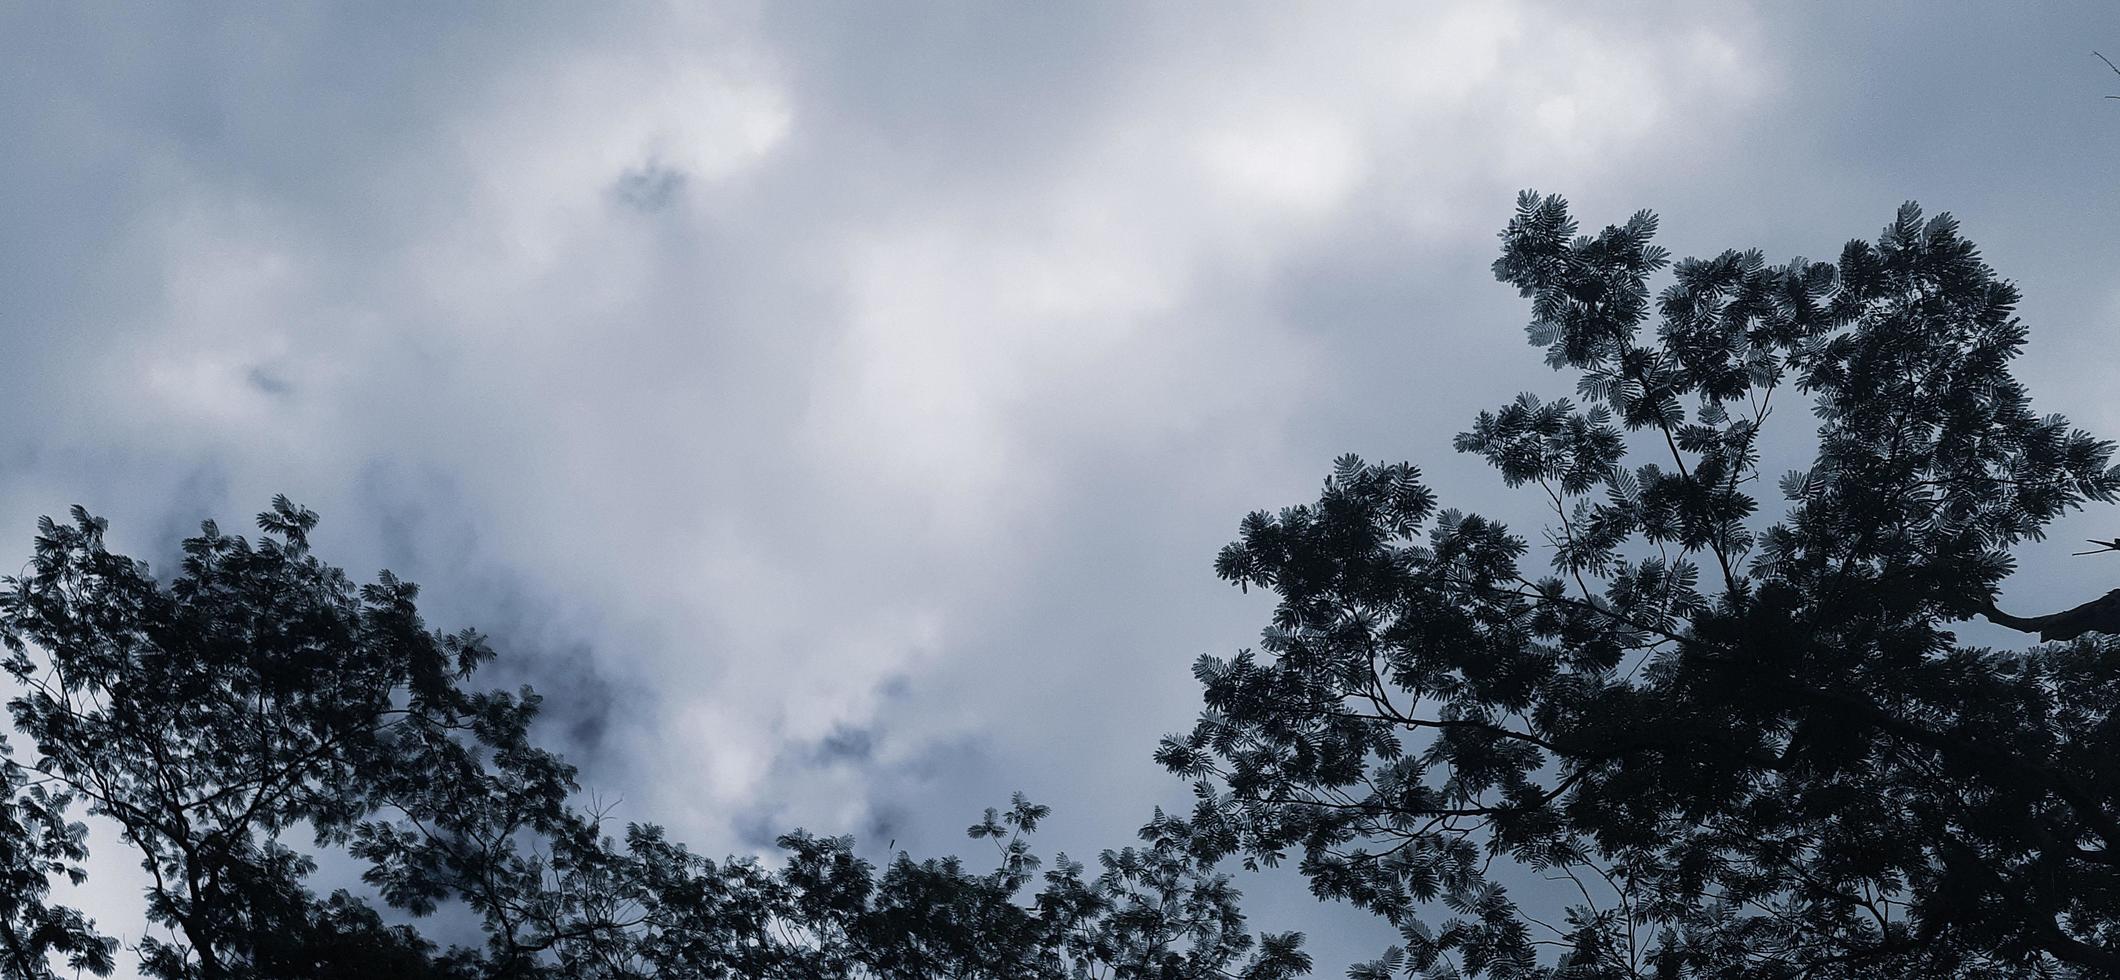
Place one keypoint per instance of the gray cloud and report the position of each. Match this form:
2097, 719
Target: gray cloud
649, 188
901, 430
846, 745
268, 382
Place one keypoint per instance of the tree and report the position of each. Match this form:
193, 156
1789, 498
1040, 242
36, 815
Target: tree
260, 697
1748, 746
36, 843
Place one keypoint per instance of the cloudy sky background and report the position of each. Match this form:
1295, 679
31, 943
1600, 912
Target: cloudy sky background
835, 409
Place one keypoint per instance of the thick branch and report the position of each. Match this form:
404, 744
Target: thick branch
2100, 615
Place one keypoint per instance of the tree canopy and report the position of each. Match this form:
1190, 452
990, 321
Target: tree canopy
1737, 742
259, 708
1745, 744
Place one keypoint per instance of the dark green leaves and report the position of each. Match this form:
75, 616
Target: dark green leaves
1790, 768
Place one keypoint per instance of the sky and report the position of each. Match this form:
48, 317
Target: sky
835, 408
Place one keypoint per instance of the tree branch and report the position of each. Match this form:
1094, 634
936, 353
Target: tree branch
2100, 615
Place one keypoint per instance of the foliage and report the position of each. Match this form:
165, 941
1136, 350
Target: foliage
260, 698
36, 843
1746, 745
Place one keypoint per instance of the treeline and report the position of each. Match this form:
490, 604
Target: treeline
1751, 742
260, 707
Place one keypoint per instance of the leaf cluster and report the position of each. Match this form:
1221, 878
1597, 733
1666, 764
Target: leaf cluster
261, 709
1751, 746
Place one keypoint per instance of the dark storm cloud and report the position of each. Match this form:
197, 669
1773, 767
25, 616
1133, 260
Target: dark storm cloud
846, 745
268, 382
648, 188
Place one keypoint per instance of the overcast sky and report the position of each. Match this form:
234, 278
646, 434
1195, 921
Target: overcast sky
836, 408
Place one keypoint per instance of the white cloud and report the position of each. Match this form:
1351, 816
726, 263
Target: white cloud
879, 400
709, 422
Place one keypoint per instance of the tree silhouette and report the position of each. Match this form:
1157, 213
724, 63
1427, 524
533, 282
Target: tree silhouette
260, 699
1747, 745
